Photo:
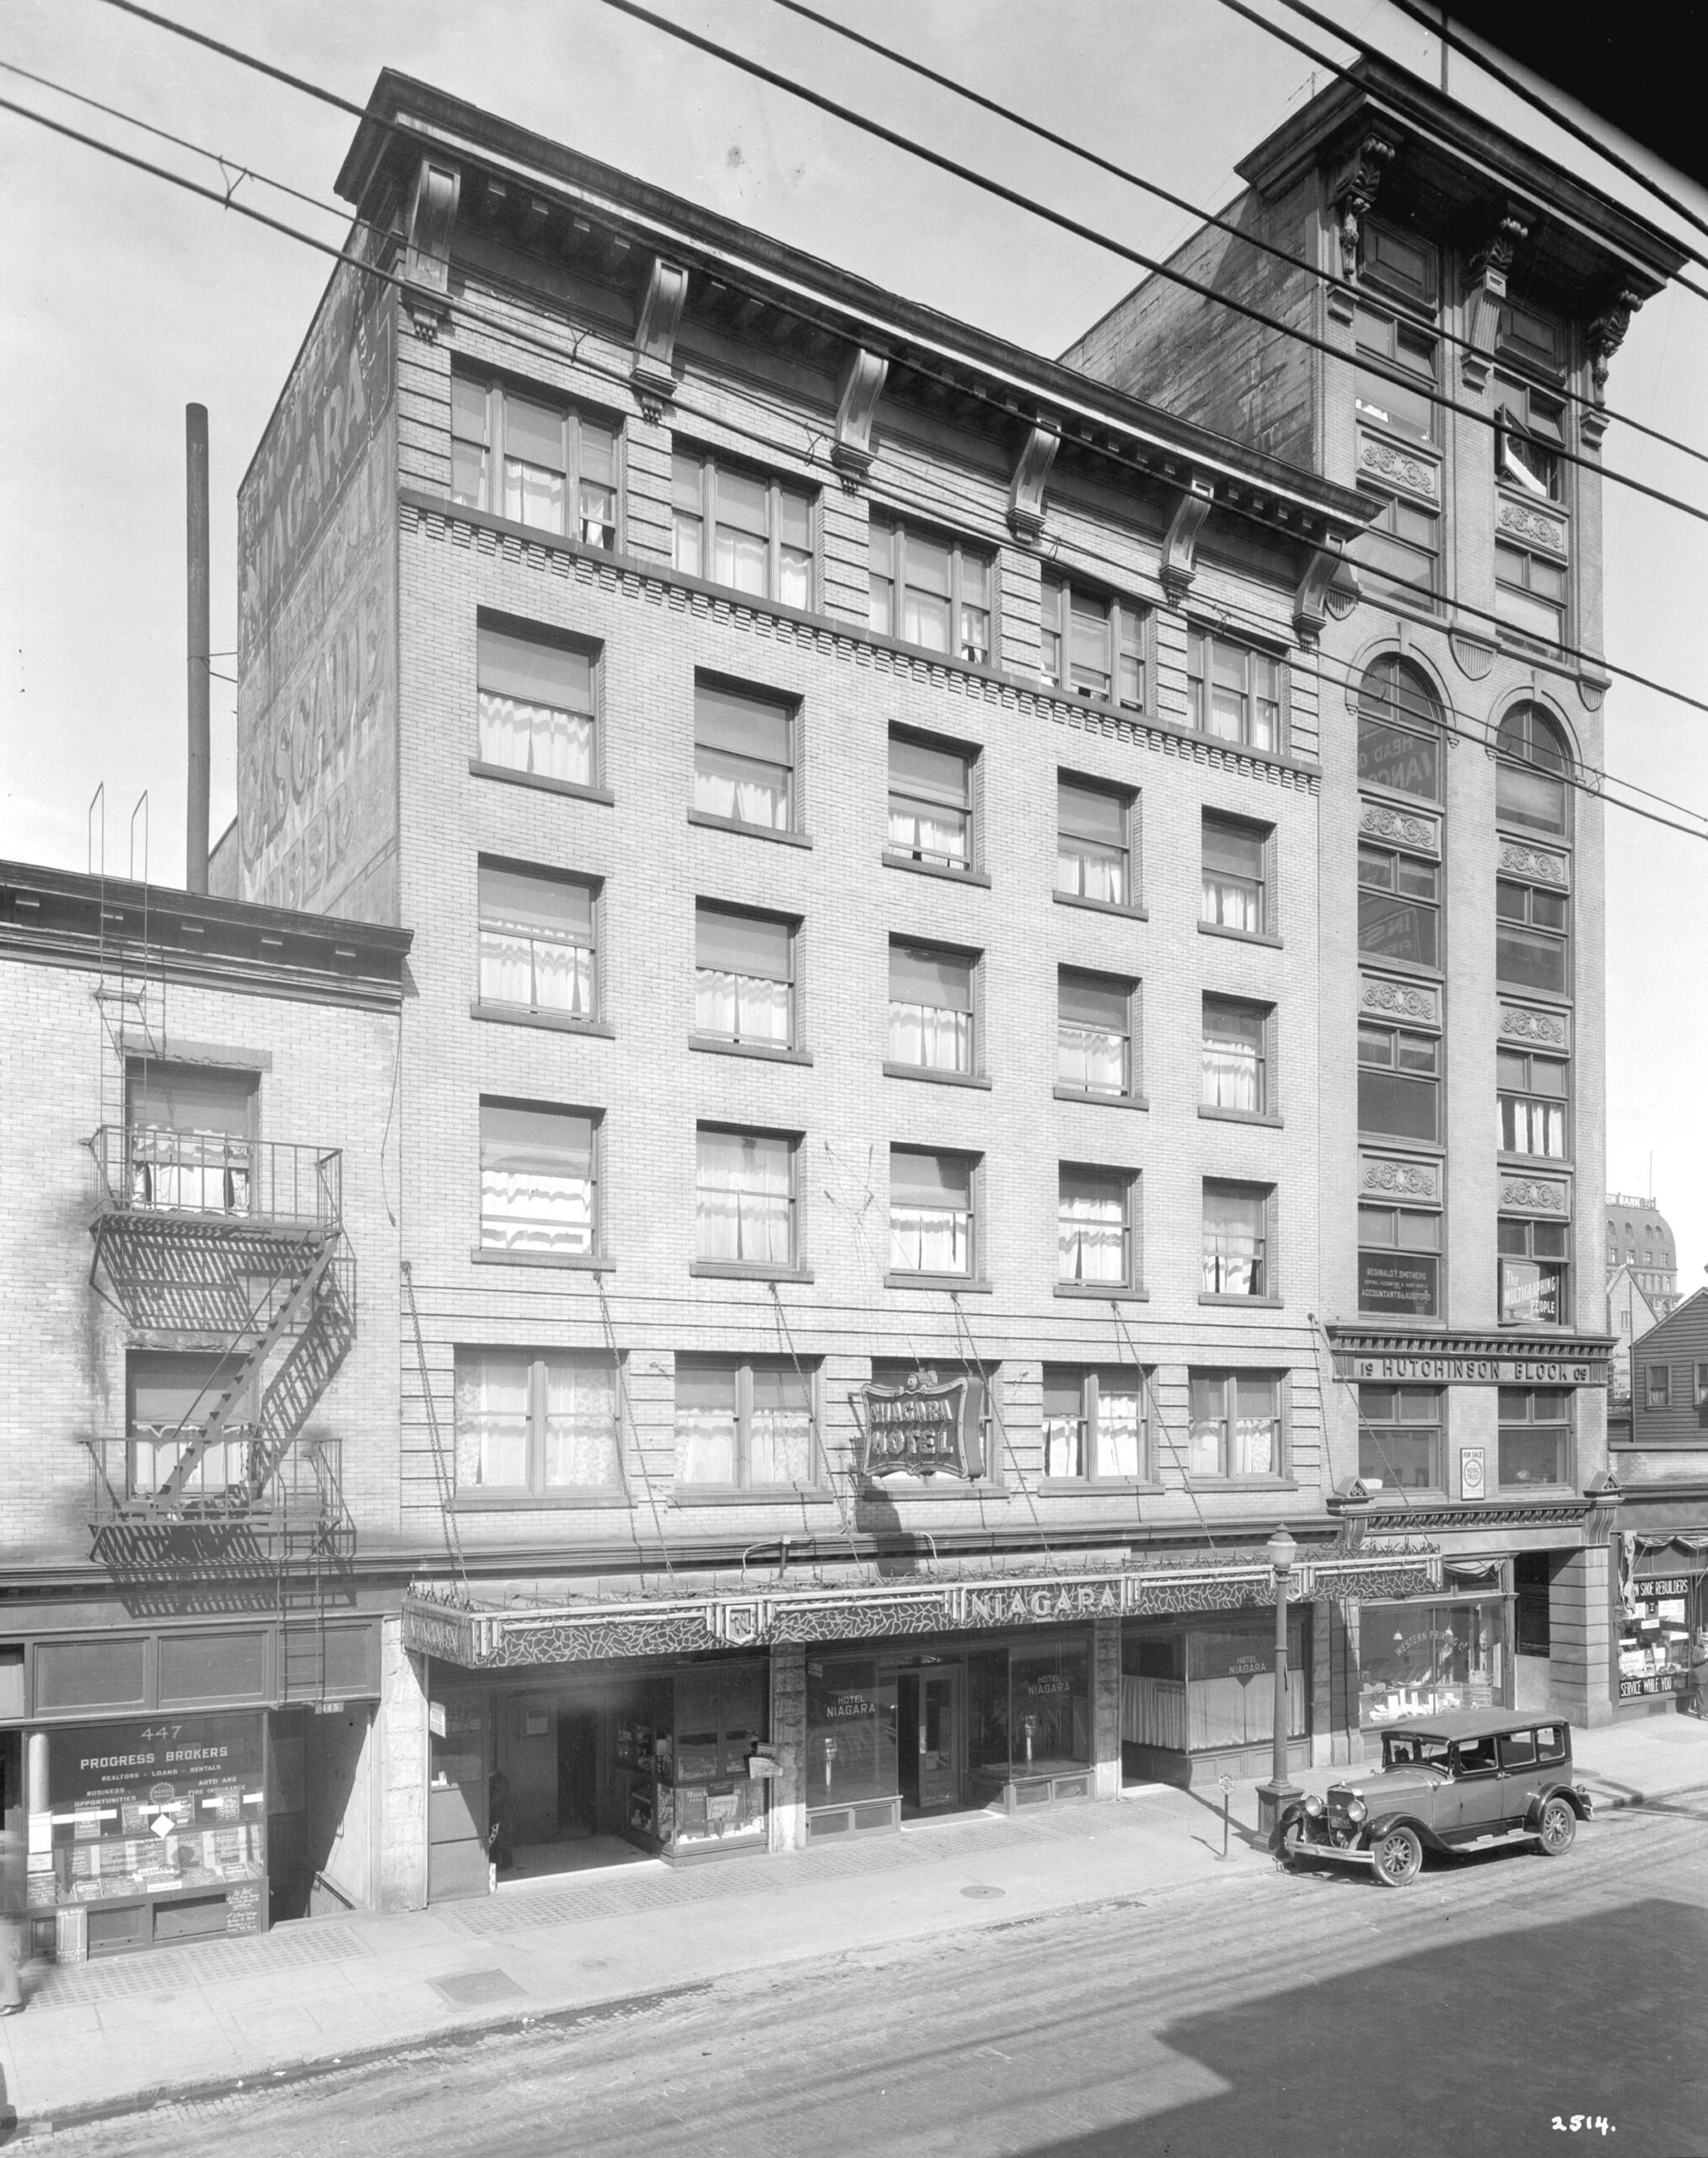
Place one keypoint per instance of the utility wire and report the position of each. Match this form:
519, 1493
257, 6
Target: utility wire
1220, 224
517, 335
956, 170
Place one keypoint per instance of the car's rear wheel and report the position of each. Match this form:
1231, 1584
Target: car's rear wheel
1399, 1857
1557, 1828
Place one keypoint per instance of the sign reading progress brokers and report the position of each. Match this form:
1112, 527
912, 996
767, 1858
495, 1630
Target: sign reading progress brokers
920, 1428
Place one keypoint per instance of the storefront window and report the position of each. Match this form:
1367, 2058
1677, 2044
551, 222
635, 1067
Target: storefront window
1050, 1704
1657, 1637
850, 1732
1230, 1682
1428, 1658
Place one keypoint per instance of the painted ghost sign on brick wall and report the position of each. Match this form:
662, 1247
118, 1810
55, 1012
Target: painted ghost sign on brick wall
317, 755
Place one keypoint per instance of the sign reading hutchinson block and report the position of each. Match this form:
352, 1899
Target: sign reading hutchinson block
919, 1429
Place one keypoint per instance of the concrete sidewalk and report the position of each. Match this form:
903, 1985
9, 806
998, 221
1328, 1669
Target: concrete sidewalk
113, 2035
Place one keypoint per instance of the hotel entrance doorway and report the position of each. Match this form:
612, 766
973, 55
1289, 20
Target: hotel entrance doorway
929, 1748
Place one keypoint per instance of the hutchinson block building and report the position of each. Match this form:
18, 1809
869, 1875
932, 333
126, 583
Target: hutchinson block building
1002, 990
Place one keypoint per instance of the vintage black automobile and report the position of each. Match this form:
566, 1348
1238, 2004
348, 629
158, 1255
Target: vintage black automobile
1462, 1782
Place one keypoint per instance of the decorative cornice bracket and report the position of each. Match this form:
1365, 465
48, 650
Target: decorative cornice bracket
1603, 336
1353, 193
651, 371
1487, 293
427, 255
1032, 466
1327, 574
864, 373
1192, 505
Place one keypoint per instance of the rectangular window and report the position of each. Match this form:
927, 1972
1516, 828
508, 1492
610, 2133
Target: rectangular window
1236, 875
1398, 1084
1535, 1267
191, 1130
536, 463
1399, 1438
1398, 1261
1533, 1091
1535, 1436
1395, 373
1401, 546
931, 591
1397, 261
1234, 693
536, 942
1657, 1386
1094, 1052
528, 1422
1531, 949
1094, 849
931, 1023
1094, 1239
930, 803
171, 1394
1236, 1426
1235, 1073
743, 757
1530, 593
931, 1224
1093, 647
538, 1180
742, 529
1094, 1424
1702, 1385
1530, 436
745, 1197
745, 1424
1528, 336
1399, 906
743, 977
535, 707
1236, 1239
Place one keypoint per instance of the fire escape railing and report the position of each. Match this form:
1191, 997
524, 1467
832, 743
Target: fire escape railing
199, 1176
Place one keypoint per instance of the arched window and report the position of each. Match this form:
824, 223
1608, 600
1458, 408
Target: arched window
1530, 776
1399, 729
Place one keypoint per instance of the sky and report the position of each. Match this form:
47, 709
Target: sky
126, 299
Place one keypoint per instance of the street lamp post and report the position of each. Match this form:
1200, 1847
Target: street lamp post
1281, 1551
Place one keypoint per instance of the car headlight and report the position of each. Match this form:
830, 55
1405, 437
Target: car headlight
1313, 1807
1357, 1811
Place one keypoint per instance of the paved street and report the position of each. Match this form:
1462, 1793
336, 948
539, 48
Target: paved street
1243, 2014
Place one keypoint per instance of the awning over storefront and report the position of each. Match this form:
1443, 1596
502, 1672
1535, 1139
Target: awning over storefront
496, 1636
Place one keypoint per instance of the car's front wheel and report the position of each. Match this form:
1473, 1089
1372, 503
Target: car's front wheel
1557, 1828
1399, 1857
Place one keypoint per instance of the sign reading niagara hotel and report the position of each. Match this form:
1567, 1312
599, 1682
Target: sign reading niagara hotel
1478, 1371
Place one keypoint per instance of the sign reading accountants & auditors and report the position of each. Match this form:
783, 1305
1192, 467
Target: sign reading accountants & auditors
920, 1428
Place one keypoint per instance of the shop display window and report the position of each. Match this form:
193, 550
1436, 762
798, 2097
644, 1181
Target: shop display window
1199, 1689
850, 1732
1428, 1659
1031, 1708
1657, 1636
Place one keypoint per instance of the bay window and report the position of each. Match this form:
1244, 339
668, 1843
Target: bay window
533, 1423
931, 1220
742, 529
1094, 1424
931, 591
1236, 1424
745, 1197
535, 462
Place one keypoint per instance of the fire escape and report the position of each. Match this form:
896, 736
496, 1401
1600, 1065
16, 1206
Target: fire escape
233, 1248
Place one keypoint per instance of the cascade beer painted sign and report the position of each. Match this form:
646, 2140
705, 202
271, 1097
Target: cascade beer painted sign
920, 1428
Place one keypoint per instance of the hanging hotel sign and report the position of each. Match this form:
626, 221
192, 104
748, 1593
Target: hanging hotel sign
920, 1428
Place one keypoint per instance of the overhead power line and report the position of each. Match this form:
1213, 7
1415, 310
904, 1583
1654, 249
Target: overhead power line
1210, 218
504, 328
956, 170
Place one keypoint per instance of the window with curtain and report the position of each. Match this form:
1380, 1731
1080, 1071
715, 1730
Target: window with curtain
1529, 439
1236, 1424
932, 1008
1532, 1098
1093, 1227
536, 942
1236, 1239
1093, 1423
536, 704
190, 1138
742, 529
1092, 645
1233, 693
1093, 843
1532, 766
745, 1197
1095, 1019
538, 1182
531, 1422
171, 1395
930, 803
743, 757
745, 1423
1235, 876
931, 591
535, 462
1399, 729
931, 1211
743, 977
1235, 1055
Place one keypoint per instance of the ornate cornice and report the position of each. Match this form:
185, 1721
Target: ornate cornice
1537, 1195
1539, 865
1520, 1023
1532, 525
1401, 999
1387, 461
1408, 828
1400, 1179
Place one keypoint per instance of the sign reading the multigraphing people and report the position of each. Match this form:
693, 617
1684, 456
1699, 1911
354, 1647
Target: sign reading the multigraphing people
922, 1427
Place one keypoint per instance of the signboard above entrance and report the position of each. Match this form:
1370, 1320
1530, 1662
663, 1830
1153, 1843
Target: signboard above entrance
1393, 1356
920, 1428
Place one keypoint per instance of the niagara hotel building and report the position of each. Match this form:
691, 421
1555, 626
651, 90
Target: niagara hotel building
882, 1049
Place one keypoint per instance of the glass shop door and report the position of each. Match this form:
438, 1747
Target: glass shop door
929, 1738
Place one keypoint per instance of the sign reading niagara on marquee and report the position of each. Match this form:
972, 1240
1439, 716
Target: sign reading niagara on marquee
920, 1428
